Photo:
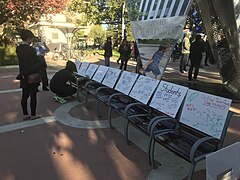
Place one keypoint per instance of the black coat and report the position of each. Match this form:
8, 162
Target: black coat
29, 62
196, 50
108, 49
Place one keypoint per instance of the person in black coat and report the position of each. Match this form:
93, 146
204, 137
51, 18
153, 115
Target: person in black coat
107, 51
61, 82
196, 50
125, 51
29, 64
41, 50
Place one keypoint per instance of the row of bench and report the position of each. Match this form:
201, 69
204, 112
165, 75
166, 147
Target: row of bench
189, 123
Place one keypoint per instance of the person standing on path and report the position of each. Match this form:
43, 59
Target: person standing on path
29, 64
185, 52
196, 50
41, 50
125, 51
107, 51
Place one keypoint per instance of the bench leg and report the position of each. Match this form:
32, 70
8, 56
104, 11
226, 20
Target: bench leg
97, 107
126, 132
191, 171
149, 150
152, 147
110, 117
86, 99
78, 92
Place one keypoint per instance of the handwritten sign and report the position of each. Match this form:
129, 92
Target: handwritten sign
205, 112
91, 70
111, 77
83, 68
78, 64
99, 75
126, 82
168, 98
143, 89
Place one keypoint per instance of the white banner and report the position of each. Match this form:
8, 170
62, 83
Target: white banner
168, 28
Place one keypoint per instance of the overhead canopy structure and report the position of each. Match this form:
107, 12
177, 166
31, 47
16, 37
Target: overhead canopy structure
159, 22
222, 23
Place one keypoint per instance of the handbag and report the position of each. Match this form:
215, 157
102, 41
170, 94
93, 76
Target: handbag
34, 78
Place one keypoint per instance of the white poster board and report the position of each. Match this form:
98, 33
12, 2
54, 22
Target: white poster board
143, 89
126, 82
78, 64
168, 98
205, 112
224, 164
83, 68
111, 77
99, 75
91, 70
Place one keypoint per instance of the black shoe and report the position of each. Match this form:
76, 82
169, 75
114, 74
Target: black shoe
45, 89
206, 65
181, 71
37, 90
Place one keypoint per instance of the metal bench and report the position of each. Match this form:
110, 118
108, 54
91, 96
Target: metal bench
200, 130
166, 101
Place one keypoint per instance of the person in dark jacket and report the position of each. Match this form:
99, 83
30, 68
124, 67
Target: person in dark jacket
107, 51
61, 82
41, 50
196, 50
29, 64
125, 51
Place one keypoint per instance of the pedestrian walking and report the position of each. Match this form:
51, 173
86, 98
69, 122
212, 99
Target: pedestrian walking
107, 51
125, 51
29, 64
185, 52
137, 58
196, 50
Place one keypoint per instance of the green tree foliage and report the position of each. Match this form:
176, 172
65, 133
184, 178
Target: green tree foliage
98, 12
16, 13
98, 34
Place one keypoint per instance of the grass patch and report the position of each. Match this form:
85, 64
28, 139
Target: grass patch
8, 55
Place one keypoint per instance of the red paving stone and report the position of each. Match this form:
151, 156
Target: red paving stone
54, 151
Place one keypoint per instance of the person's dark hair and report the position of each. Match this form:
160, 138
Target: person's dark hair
161, 48
198, 37
25, 34
71, 67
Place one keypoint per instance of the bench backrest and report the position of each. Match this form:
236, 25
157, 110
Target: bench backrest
83, 68
168, 98
77, 63
111, 77
126, 82
92, 68
100, 73
206, 113
143, 89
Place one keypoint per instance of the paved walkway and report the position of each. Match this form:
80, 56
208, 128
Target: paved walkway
70, 142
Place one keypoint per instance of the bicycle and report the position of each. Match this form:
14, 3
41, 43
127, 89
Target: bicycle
59, 55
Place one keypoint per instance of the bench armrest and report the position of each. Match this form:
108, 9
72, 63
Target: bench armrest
197, 144
128, 107
154, 121
100, 89
113, 96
